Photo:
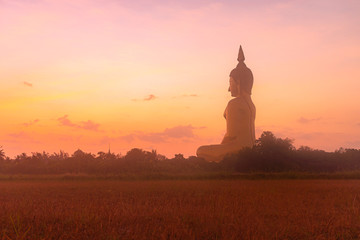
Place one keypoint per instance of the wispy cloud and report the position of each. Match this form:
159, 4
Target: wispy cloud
353, 144
27, 84
90, 125
148, 98
18, 135
308, 120
318, 139
186, 95
64, 121
180, 132
87, 125
21, 138
30, 123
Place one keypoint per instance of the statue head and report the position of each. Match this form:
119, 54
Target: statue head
241, 76
234, 88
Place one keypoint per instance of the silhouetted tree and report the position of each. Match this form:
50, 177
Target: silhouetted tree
2, 153
179, 156
269, 154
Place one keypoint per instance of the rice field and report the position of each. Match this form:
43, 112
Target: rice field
180, 209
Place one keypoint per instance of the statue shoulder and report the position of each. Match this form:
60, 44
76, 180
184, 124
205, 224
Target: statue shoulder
236, 103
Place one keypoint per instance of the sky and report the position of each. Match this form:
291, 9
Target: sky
89, 74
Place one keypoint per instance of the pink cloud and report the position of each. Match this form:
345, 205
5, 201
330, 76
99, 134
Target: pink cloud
31, 123
148, 98
353, 144
326, 140
64, 121
184, 133
18, 135
128, 138
21, 137
179, 132
90, 125
308, 120
87, 125
186, 95
27, 84
151, 137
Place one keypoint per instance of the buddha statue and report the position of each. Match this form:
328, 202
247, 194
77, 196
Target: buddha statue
239, 114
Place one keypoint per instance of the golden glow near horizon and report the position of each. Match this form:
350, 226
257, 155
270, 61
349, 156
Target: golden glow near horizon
86, 74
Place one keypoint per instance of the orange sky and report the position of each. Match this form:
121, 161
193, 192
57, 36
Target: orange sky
86, 74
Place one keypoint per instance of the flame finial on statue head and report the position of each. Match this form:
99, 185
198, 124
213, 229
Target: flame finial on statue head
241, 56
242, 73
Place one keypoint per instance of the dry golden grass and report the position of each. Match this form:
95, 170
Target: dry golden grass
198, 209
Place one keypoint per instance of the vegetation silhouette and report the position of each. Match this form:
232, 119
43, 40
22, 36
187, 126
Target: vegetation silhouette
269, 155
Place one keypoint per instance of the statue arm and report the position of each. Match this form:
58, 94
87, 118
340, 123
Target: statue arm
236, 121
227, 139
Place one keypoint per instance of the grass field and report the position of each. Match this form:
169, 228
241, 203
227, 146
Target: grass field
180, 209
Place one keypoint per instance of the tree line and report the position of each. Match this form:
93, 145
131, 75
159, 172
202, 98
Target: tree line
269, 154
